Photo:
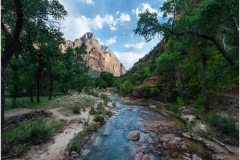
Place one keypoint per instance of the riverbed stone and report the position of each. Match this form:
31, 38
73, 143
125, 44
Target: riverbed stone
164, 139
186, 158
110, 105
133, 135
139, 156
184, 146
146, 157
186, 135
140, 150
195, 157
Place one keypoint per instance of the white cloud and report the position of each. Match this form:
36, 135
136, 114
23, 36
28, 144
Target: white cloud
138, 45
143, 8
129, 58
88, 1
111, 40
117, 12
76, 27
124, 17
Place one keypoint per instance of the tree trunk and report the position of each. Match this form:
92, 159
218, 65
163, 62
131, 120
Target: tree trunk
204, 91
38, 76
14, 100
31, 94
50, 90
11, 43
3, 73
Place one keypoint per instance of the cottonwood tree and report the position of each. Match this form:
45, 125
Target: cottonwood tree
14, 14
214, 21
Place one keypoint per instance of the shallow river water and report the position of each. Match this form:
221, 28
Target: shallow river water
110, 141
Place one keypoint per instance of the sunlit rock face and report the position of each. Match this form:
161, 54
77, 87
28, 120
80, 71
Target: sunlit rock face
98, 57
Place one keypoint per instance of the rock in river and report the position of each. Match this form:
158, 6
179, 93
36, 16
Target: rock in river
133, 135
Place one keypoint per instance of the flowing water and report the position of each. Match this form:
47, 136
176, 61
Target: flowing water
110, 142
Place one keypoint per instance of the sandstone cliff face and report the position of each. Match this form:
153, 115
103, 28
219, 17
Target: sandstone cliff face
98, 57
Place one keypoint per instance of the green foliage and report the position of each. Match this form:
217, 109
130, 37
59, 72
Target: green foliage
174, 109
76, 109
92, 111
105, 99
145, 88
180, 101
105, 80
79, 139
154, 91
223, 124
99, 118
126, 87
36, 131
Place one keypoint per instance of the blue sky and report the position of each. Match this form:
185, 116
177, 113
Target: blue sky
113, 22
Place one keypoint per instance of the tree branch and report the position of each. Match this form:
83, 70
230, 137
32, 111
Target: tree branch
213, 39
11, 43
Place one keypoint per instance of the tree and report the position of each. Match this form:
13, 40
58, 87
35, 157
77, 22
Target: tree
210, 20
80, 67
14, 14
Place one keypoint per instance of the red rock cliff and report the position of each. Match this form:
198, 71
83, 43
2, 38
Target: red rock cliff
98, 57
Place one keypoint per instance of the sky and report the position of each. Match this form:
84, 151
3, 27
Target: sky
112, 22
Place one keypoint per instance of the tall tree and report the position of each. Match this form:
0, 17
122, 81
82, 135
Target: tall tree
14, 14
212, 20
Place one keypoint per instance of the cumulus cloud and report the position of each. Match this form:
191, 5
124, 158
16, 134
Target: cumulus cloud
88, 1
73, 27
143, 8
117, 12
138, 45
111, 40
124, 17
129, 58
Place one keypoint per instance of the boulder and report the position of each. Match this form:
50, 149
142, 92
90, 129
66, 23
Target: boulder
139, 156
195, 157
133, 135
110, 105
146, 157
140, 150
186, 135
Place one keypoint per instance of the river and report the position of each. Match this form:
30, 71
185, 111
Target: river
110, 141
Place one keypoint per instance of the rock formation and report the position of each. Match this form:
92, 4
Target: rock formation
98, 57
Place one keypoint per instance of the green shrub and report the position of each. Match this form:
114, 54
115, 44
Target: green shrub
180, 101
99, 119
104, 98
173, 108
76, 109
36, 131
225, 125
154, 91
145, 88
76, 143
92, 111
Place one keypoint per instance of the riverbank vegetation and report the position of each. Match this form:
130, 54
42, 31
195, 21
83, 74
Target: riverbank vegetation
196, 62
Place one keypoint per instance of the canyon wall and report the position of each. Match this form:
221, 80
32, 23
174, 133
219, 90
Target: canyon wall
98, 57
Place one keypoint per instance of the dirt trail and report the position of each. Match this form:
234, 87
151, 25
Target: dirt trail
54, 150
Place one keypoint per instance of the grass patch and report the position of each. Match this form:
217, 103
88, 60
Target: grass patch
36, 131
99, 118
174, 109
76, 143
225, 125
24, 102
